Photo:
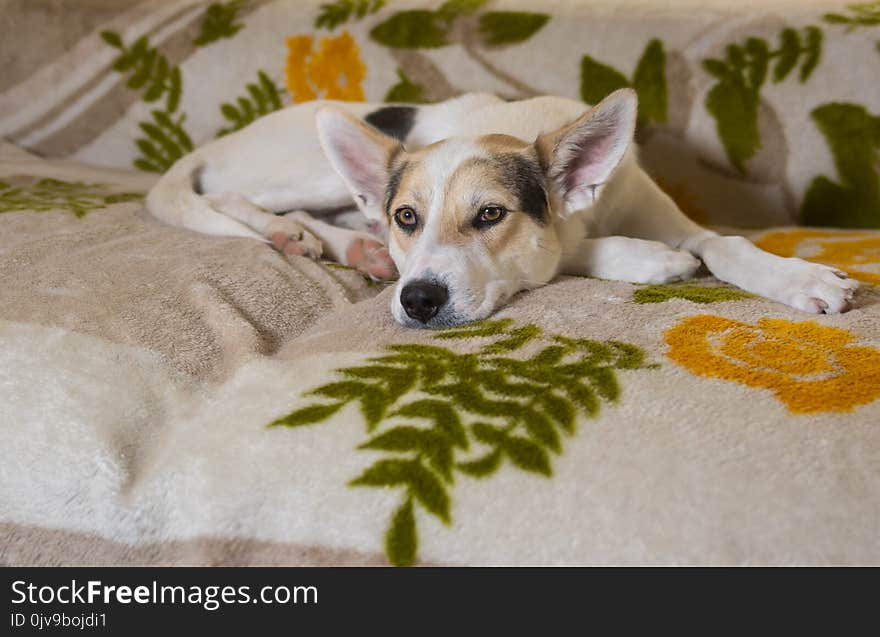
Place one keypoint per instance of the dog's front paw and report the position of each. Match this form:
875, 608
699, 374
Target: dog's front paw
666, 266
815, 288
677, 265
370, 257
638, 261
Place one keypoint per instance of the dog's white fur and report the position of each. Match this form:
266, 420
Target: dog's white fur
606, 217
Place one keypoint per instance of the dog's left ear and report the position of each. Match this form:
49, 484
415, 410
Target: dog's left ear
360, 154
581, 156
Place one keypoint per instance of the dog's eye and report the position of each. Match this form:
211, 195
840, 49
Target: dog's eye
406, 218
489, 215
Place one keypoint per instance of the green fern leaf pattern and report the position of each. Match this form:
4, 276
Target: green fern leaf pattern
401, 540
332, 14
149, 69
263, 97
689, 292
47, 195
165, 140
853, 137
734, 98
406, 91
859, 14
219, 21
649, 82
432, 412
427, 29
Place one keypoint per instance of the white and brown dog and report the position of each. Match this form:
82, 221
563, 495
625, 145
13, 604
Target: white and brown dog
481, 198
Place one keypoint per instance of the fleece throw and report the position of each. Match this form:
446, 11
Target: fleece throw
171, 398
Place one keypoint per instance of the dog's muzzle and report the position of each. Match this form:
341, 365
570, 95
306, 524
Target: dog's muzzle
421, 299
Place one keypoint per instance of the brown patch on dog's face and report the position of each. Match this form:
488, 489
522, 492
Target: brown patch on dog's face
407, 189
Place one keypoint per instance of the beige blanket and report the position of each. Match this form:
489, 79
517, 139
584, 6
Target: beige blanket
170, 398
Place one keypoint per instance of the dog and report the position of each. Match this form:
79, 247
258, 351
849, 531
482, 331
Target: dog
478, 198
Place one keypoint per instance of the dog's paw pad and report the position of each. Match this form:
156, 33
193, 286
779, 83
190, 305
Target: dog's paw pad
302, 244
372, 258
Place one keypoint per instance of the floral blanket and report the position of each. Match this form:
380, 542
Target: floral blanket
752, 113
172, 398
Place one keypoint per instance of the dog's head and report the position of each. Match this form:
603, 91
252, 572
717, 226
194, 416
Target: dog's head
472, 220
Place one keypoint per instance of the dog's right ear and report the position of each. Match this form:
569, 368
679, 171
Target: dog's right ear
581, 156
360, 154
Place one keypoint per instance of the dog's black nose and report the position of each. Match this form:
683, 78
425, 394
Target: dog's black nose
423, 299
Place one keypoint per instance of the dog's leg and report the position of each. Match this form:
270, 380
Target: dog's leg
637, 207
286, 234
359, 250
627, 259
299, 233
803, 285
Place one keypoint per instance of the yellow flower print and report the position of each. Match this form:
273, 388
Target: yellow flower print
809, 367
855, 252
332, 71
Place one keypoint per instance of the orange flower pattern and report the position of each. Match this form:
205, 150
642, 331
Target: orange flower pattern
855, 252
333, 70
809, 367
